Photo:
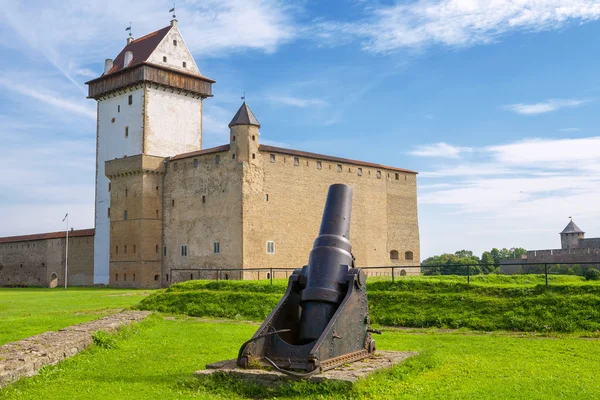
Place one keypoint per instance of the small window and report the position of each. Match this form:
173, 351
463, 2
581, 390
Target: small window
113, 119
272, 157
216, 247
117, 277
253, 156
125, 215
174, 42
125, 249
191, 277
174, 166
184, 251
339, 167
156, 249
119, 108
218, 159
130, 99
173, 203
394, 255
165, 251
109, 186
397, 176
195, 163
184, 64
270, 247
126, 131
108, 213
156, 214
126, 192
167, 278
359, 171
164, 58
157, 188
134, 249
134, 277
267, 197
319, 165
296, 161
408, 255
233, 138
117, 249
125, 277
253, 138
203, 199
378, 174
155, 277
233, 156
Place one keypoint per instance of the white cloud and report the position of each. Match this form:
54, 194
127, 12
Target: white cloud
54, 99
544, 107
465, 22
570, 130
297, 101
440, 150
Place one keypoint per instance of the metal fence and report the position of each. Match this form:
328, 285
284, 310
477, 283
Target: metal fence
393, 272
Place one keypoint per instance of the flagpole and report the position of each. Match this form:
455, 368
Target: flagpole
66, 249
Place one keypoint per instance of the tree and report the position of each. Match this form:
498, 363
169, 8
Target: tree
487, 258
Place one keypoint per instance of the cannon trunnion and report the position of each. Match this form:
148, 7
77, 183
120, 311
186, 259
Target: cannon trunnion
322, 321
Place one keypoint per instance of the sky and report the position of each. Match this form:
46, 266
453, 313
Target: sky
495, 103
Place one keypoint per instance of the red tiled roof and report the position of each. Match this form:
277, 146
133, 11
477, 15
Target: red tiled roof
272, 149
141, 48
46, 236
217, 149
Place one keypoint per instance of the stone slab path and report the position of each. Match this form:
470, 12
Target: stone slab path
27, 356
347, 374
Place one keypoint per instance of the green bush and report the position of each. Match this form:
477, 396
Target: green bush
592, 274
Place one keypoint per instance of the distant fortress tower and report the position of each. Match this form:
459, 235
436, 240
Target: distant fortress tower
149, 103
570, 236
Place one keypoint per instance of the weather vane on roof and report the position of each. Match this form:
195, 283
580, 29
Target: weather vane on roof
244, 96
173, 11
129, 29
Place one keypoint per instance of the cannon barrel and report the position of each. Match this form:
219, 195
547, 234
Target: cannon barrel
328, 264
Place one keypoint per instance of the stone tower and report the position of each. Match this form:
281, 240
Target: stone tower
244, 133
149, 102
569, 237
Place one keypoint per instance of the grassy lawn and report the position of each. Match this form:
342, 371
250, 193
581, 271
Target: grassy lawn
490, 302
27, 312
156, 359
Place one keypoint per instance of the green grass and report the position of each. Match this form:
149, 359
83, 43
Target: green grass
490, 302
27, 312
156, 359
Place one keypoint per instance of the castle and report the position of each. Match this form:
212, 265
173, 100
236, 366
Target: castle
575, 248
165, 206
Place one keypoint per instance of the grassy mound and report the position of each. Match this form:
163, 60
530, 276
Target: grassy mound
518, 303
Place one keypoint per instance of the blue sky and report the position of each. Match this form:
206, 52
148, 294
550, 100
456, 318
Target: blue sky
495, 103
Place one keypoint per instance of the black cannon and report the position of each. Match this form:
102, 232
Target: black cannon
322, 321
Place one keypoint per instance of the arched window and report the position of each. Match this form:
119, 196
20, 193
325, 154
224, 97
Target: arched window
403, 272
394, 255
408, 255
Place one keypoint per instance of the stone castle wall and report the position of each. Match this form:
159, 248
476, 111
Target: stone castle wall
42, 262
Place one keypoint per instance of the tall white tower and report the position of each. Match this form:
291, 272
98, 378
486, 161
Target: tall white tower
149, 102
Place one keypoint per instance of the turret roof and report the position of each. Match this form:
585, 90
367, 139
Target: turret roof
572, 228
244, 116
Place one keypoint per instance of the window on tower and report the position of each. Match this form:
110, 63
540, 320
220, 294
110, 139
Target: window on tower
174, 42
119, 108
164, 58
184, 64
126, 131
130, 99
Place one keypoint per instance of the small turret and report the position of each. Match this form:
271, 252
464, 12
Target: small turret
244, 133
569, 237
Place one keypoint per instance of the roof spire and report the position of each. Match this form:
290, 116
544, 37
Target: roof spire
130, 38
244, 116
572, 228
